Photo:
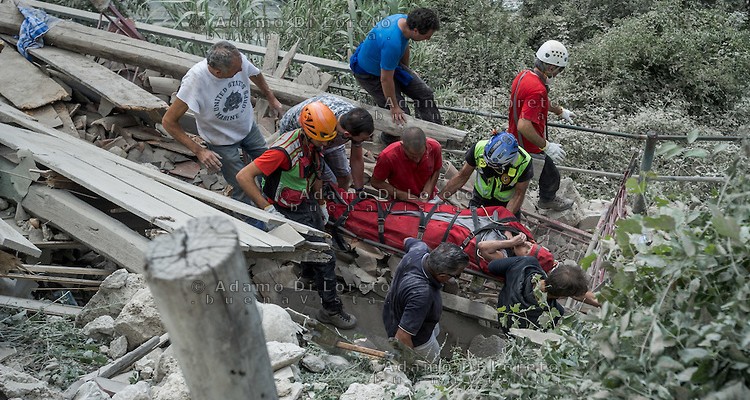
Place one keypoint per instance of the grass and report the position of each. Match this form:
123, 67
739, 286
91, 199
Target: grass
48, 347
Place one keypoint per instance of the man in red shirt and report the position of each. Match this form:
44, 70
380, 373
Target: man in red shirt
527, 120
410, 167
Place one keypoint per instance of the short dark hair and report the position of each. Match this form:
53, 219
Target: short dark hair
565, 281
414, 139
447, 258
221, 55
423, 20
357, 121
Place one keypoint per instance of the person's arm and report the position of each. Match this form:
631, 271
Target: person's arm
390, 190
261, 83
458, 181
429, 186
526, 128
589, 298
357, 163
171, 124
404, 337
246, 179
389, 91
405, 58
514, 205
490, 249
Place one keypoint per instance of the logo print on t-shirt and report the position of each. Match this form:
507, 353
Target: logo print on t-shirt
231, 101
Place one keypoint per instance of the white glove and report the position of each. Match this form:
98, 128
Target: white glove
436, 200
324, 213
555, 152
567, 115
273, 211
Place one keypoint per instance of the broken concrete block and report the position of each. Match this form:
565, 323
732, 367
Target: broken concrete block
277, 324
486, 346
139, 391
173, 387
17, 384
287, 383
166, 365
118, 347
313, 363
101, 328
284, 354
114, 292
139, 320
358, 391
337, 362
90, 391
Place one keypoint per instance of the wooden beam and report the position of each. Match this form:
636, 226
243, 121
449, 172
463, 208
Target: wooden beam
79, 38
12, 239
233, 360
55, 279
36, 305
25, 85
11, 115
57, 269
73, 13
286, 61
272, 55
87, 224
119, 91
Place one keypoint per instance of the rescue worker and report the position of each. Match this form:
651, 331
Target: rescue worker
504, 171
292, 167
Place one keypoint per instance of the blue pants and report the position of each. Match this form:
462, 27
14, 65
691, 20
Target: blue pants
231, 160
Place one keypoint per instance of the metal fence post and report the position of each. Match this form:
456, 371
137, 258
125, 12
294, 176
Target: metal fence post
646, 161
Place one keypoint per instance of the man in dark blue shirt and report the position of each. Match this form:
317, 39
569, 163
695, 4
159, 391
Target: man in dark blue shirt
413, 305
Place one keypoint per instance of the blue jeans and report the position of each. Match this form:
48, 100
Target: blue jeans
336, 164
231, 160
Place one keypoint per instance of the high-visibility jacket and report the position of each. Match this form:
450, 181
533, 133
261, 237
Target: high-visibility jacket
290, 188
498, 187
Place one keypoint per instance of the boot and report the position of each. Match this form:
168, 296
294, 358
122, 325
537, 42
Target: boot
558, 204
340, 319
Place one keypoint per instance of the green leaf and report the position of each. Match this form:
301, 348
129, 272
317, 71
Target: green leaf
667, 147
687, 244
667, 362
634, 186
662, 222
691, 354
629, 226
657, 340
586, 261
685, 375
725, 226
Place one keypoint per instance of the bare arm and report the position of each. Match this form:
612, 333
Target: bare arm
171, 124
357, 163
391, 191
389, 91
490, 249
589, 298
526, 129
405, 58
261, 83
405, 338
246, 179
457, 181
514, 205
429, 186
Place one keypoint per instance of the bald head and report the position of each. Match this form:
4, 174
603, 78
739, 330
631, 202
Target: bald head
414, 140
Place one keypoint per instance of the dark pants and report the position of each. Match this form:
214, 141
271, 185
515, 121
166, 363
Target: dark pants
324, 274
549, 180
424, 99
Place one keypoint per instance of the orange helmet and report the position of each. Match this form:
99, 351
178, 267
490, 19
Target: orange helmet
318, 121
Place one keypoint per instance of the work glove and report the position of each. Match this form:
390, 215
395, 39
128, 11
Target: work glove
436, 200
324, 213
555, 152
567, 115
273, 211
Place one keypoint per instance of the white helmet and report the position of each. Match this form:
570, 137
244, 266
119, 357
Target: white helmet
553, 52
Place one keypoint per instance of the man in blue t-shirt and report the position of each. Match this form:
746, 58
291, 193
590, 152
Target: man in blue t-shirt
381, 64
413, 304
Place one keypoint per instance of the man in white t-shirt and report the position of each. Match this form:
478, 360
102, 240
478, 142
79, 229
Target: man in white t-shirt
217, 90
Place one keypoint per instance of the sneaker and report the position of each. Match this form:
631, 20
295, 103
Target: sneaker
339, 319
558, 204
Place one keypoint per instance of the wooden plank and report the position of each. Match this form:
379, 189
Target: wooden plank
115, 89
10, 114
170, 61
55, 279
286, 61
57, 269
191, 37
46, 115
467, 307
87, 224
36, 305
144, 197
67, 123
272, 55
12, 239
25, 85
